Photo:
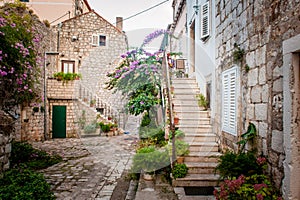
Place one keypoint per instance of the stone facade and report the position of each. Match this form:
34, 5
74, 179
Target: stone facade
259, 27
76, 44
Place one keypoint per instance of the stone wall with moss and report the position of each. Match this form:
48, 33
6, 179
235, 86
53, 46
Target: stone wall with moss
259, 28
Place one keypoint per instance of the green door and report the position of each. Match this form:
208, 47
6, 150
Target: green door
59, 122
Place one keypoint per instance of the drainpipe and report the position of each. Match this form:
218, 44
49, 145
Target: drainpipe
58, 35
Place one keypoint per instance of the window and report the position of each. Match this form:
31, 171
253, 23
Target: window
24, 0
229, 87
68, 66
95, 40
102, 41
98, 40
204, 26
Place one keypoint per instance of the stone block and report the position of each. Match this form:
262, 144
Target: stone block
265, 93
261, 111
278, 85
256, 94
262, 129
277, 72
253, 77
277, 141
250, 59
250, 111
262, 75
261, 55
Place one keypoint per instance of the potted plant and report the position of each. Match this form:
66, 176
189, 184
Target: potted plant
92, 102
202, 101
179, 170
59, 76
176, 120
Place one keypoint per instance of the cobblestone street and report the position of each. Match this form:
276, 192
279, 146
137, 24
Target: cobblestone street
91, 166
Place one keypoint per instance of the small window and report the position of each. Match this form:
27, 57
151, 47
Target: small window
229, 97
68, 66
99, 40
204, 26
102, 41
24, 0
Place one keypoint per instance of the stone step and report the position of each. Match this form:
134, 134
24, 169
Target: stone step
194, 114
185, 96
203, 146
184, 101
190, 128
201, 168
212, 156
184, 80
200, 138
200, 121
182, 104
197, 180
181, 90
178, 109
188, 86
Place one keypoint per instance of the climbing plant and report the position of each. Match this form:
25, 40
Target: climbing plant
138, 76
19, 69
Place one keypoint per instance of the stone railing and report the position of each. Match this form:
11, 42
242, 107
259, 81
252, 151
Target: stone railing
106, 110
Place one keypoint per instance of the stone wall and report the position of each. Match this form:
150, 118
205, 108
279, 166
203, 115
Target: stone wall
62, 89
7, 126
259, 27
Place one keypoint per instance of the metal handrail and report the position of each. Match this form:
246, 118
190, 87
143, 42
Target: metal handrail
167, 83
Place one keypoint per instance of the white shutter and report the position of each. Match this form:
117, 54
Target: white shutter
95, 40
204, 26
66, 67
229, 81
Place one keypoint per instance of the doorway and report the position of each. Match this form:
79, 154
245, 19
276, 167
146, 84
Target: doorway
59, 121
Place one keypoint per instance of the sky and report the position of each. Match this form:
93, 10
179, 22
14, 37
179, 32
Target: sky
141, 25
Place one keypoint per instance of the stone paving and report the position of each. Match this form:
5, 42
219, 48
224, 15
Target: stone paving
91, 166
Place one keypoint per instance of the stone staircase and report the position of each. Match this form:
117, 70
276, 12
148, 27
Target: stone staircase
195, 122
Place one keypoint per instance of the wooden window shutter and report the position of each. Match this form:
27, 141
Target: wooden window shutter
229, 82
95, 40
204, 26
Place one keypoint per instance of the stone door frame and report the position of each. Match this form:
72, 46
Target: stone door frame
291, 128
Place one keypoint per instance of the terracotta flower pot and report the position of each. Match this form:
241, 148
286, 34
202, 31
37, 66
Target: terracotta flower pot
176, 120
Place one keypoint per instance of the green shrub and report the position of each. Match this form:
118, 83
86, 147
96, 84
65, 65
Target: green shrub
24, 184
145, 120
156, 135
233, 165
179, 170
178, 134
105, 128
149, 159
24, 154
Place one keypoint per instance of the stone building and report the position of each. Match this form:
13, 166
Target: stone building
262, 84
89, 45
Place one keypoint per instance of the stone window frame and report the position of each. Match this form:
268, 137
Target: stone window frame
69, 62
230, 123
291, 137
